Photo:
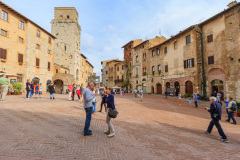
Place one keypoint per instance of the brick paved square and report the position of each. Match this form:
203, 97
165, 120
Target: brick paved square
154, 129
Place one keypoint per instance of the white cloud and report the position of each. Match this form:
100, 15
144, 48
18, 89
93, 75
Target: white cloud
87, 40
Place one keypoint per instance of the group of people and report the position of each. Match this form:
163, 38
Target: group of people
73, 90
89, 97
140, 92
32, 89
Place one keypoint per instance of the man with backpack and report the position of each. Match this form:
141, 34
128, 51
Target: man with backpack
36, 90
232, 107
216, 112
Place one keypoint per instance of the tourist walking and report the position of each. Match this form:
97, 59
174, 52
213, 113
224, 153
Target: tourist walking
73, 91
216, 112
231, 111
40, 90
81, 91
219, 95
28, 88
78, 92
109, 99
195, 100
94, 101
179, 98
70, 88
88, 97
51, 89
121, 92
103, 103
136, 92
32, 89
36, 90
166, 94
4, 87
141, 94
227, 102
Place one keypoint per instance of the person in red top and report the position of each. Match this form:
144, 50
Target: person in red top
70, 89
36, 90
78, 91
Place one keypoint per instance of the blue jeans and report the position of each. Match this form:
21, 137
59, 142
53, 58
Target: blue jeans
52, 95
135, 94
196, 105
227, 112
94, 106
88, 119
28, 91
31, 93
231, 116
217, 124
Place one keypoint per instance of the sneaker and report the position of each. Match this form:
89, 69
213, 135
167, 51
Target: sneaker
53, 98
223, 140
107, 132
206, 132
89, 134
50, 97
111, 135
234, 123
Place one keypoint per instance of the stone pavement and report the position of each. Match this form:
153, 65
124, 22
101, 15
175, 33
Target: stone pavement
154, 129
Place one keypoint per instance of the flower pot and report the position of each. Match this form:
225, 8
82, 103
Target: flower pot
237, 114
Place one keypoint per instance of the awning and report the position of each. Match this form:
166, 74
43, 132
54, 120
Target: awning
9, 75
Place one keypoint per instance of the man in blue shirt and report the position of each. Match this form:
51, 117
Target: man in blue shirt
195, 100
88, 97
216, 112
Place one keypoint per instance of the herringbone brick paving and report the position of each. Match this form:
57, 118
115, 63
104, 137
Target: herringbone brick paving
154, 129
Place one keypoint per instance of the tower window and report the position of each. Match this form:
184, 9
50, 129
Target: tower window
67, 17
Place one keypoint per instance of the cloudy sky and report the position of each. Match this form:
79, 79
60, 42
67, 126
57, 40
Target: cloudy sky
109, 24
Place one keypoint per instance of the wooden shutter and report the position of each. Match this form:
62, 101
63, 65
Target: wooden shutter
166, 68
192, 62
49, 65
210, 38
20, 58
4, 54
37, 62
212, 59
185, 63
1, 53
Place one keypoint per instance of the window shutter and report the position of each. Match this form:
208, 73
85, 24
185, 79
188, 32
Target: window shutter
192, 62
212, 59
185, 63
1, 53
209, 60
49, 65
37, 62
4, 54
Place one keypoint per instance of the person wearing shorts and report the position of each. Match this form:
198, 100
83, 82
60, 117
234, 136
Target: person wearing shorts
141, 94
36, 90
40, 90
179, 98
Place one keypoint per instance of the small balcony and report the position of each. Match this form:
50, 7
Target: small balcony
118, 80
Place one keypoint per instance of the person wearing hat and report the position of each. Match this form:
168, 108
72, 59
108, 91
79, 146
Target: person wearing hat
4, 87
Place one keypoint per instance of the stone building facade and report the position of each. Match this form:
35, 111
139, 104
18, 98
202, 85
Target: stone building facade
119, 67
141, 62
30, 52
104, 71
112, 72
67, 31
26, 49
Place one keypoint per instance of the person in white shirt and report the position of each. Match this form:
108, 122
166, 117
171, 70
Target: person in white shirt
141, 94
135, 92
94, 101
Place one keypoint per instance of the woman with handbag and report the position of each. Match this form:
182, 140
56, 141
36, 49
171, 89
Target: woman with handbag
109, 99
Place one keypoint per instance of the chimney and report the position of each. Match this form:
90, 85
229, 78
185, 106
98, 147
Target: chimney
233, 3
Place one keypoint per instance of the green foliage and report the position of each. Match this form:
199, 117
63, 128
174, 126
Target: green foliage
191, 96
159, 72
238, 106
153, 72
136, 75
17, 87
185, 95
144, 73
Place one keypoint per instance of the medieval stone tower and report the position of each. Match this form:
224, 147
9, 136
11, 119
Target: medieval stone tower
67, 31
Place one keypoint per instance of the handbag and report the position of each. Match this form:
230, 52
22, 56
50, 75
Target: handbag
112, 113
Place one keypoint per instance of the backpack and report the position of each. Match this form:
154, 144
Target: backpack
234, 106
37, 88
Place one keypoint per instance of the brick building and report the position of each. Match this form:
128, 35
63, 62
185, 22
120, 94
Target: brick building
104, 71
112, 71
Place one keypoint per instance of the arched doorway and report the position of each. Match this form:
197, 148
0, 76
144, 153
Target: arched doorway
159, 88
177, 87
167, 86
189, 88
58, 86
217, 85
35, 80
152, 90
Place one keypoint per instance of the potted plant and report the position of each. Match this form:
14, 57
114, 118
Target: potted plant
3, 60
144, 73
20, 63
136, 75
237, 114
153, 72
18, 88
159, 72
185, 95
